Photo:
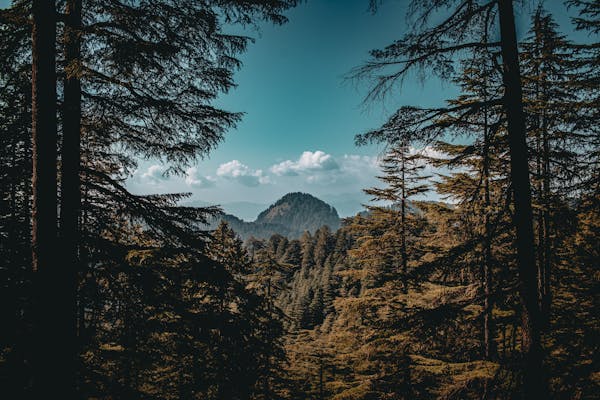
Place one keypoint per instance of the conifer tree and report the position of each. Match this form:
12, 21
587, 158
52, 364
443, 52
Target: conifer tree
70, 160
258, 313
479, 184
403, 176
435, 48
267, 280
119, 99
555, 141
130, 83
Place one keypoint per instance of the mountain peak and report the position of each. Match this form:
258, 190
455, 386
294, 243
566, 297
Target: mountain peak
302, 212
290, 216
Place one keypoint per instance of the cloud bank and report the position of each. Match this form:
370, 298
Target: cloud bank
338, 179
311, 168
235, 170
154, 174
193, 178
307, 162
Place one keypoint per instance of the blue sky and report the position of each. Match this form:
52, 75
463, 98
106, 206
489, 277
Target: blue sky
300, 118
300, 114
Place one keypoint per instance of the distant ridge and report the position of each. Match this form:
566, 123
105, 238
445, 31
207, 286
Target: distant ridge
289, 216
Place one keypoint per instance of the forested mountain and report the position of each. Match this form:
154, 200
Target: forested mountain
359, 326
301, 211
289, 216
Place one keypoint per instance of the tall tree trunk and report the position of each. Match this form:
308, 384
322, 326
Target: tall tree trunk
488, 325
533, 377
541, 234
538, 100
547, 299
11, 273
403, 223
546, 204
70, 186
48, 379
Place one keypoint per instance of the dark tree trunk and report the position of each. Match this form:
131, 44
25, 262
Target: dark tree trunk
547, 299
540, 223
403, 227
44, 231
70, 186
11, 273
538, 182
545, 220
533, 377
48, 377
488, 323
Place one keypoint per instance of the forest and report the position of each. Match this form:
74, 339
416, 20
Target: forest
491, 291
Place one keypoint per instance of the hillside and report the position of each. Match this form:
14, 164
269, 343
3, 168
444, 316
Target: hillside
289, 216
301, 211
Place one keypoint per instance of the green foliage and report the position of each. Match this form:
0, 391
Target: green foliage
156, 316
453, 332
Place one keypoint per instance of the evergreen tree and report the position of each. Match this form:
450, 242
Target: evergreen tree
268, 280
129, 87
479, 185
547, 62
403, 178
435, 48
53, 363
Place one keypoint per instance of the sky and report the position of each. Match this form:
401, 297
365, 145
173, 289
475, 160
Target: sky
301, 115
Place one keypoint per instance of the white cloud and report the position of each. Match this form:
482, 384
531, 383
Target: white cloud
154, 174
235, 170
308, 162
195, 179
317, 161
320, 168
285, 168
360, 164
428, 151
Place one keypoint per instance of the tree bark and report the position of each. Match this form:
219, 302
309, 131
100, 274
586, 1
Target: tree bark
70, 204
533, 377
48, 380
547, 300
403, 223
488, 323
546, 204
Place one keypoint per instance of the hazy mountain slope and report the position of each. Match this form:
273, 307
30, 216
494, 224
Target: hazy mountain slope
290, 216
302, 212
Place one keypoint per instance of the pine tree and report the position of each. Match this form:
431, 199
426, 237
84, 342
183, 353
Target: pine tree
403, 176
70, 155
125, 92
262, 319
267, 279
555, 141
435, 48
478, 186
